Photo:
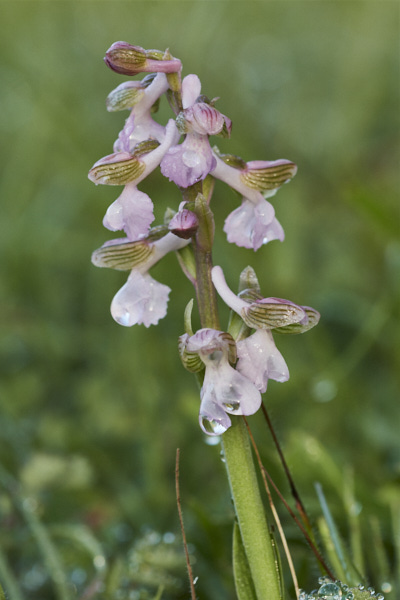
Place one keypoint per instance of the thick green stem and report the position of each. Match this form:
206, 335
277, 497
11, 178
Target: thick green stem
250, 511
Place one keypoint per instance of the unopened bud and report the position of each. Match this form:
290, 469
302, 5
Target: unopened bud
131, 60
184, 224
248, 280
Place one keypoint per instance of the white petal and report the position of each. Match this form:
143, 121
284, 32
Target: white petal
260, 360
141, 300
191, 88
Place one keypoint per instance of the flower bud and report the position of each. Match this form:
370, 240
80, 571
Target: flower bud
248, 280
184, 224
131, 60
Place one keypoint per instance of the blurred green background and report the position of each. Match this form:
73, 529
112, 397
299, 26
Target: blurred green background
91, 413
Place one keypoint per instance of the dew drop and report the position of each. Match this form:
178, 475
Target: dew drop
380, 597
190, 158
123, 319
329, 591
212, 426
231, 406
212, 440
386, 587
349, 596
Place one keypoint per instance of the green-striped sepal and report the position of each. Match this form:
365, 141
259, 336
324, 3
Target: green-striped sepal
122, 256
265, 176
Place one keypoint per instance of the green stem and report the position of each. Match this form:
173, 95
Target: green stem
239, 461
250, 511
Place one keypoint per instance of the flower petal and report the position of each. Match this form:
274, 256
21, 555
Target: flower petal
116, 169
252, 225
267, 176
260, 360
191, 88
141, 300
123, 255
268, 313
132, 212
189, 162
212, 418
311, 319
204, 119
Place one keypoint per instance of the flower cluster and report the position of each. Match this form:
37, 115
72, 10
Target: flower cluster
236, 368
227, 390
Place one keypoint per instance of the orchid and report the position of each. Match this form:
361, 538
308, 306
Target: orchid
259, 359
142, 299
193, 160
133, 210
224, 389
253, 223
233, 367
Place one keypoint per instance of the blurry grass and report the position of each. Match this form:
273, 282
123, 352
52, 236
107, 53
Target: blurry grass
91, 414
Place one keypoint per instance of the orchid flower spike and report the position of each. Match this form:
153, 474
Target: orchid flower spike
193, 160
225, 391
253, 223
259, 359
142, 299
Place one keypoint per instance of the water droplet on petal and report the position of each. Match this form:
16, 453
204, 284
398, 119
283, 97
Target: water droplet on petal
123, 319
212, 426
190, 158
231, 406
330, 591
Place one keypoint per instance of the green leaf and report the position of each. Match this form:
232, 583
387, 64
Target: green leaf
241, 570
334, 545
